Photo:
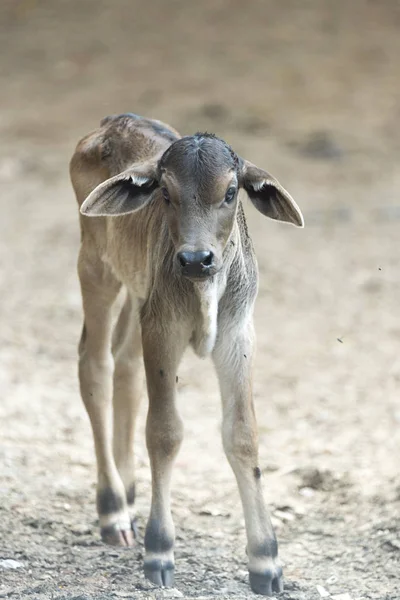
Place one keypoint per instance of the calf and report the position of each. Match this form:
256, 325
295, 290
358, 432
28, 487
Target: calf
171, 230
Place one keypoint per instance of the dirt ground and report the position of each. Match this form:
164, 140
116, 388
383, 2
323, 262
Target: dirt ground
311, 91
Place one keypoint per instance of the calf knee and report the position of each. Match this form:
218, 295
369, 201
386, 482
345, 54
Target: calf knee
164, 434
95, 378
239, 440
94, 368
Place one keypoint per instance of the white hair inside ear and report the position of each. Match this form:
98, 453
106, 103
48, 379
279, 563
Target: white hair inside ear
258, 185
141, 180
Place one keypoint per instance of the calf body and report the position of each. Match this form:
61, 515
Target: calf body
170, 229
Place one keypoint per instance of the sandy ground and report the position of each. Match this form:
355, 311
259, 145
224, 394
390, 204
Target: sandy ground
310, 91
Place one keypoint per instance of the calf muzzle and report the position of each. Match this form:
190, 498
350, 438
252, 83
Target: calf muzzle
196, 265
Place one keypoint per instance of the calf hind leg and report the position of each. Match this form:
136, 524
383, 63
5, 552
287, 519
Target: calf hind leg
127, 351
99, 291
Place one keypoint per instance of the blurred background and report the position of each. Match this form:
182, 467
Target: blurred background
310, 91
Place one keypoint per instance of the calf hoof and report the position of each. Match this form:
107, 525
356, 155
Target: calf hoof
113, 535
160, 572
267, 583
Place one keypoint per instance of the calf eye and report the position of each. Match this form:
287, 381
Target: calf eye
230, 195
165, 194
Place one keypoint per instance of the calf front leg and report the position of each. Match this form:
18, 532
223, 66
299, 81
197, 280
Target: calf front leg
233, 360
162, 352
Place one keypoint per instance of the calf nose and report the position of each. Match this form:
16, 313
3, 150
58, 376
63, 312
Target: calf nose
195, 264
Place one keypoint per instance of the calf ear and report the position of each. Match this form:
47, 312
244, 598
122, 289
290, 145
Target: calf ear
122, 194
269, 197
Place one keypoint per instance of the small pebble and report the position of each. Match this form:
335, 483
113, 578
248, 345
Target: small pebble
322, 591
307, 492
172, 593
284, 515
9, 563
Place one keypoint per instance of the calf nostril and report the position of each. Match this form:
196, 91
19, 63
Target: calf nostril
182, 259
207, 260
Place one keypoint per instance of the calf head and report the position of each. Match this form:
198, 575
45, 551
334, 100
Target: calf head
197, 179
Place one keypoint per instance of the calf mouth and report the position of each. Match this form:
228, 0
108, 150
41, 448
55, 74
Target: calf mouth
198, 274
